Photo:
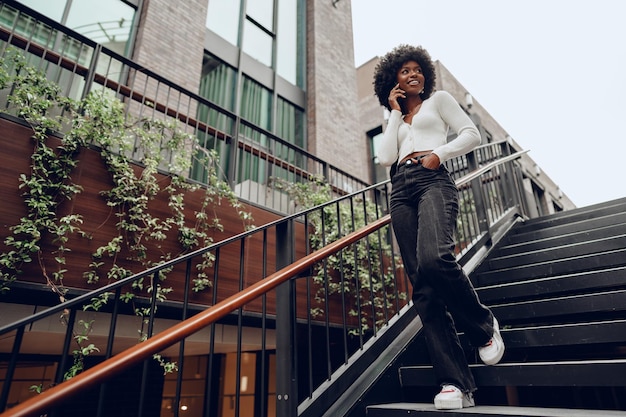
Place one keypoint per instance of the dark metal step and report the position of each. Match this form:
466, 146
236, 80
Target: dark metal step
587, 304
589, 262
592, 373
571, 216
548, 232
425, 410
574, 283
561, 238
539, 253
575, 334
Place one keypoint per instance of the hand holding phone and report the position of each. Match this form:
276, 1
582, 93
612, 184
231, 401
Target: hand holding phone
395, 95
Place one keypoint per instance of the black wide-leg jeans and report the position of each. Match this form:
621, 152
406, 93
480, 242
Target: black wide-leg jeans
424, 209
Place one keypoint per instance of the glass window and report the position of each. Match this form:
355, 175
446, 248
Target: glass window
26, 26
223, 19
256, 103
257, 43
290, 123
267, 30
376, 140
217, 84
262, 11
108, 22
53, 9
287, 41
379, 172
290, 126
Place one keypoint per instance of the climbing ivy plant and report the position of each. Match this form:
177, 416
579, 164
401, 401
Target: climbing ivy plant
99, 121
367, 276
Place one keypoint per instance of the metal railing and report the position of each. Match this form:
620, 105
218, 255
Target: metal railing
300, 333
287, 317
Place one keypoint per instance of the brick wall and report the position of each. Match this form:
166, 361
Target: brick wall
334, 133
170, 40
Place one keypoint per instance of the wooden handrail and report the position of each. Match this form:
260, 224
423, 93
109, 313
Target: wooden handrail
58, 394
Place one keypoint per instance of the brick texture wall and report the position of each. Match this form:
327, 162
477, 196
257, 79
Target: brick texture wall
333, 131
170, 40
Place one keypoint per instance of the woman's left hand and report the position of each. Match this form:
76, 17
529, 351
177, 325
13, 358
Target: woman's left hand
431, 161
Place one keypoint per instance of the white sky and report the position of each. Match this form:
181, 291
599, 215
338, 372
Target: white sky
551, 72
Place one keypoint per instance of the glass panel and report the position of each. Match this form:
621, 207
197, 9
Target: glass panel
217, 85
271, 387
290, 123
376, 140
290, 127
217, 82
27, 27
27, 374
50, 8
247, 384
263, 12
39, 33
257, 43
286, 40
107, 22
223, 19
379, 172
193, 385
256, 104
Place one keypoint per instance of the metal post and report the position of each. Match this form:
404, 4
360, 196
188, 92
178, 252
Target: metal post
479, 195
286, 387
507, 178
10, 370
89, 77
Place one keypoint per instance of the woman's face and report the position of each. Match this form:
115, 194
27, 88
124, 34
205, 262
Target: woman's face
410, 78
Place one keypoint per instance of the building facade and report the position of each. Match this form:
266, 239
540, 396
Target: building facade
269, 85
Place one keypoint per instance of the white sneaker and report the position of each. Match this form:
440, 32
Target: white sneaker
452, 398
493, 351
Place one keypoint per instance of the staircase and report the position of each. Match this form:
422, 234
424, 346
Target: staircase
557, 285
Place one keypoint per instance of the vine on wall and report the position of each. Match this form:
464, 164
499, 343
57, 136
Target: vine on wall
367, 276
98, 121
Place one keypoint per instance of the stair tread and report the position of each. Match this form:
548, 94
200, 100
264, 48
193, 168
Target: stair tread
543, 363
591, 373
551, 253
425, 409
594, 332
553, 236
610, 259
597, 302
563, 284
576, 215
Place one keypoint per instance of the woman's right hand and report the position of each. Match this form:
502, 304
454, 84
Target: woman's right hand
396, 93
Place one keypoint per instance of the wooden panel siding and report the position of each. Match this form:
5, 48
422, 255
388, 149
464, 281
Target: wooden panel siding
99, 221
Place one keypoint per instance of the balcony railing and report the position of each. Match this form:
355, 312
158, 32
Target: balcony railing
80, 66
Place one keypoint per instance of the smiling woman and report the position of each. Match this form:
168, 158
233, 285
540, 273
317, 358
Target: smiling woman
424, 207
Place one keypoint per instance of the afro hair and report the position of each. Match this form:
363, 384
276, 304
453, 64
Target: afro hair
385, 74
